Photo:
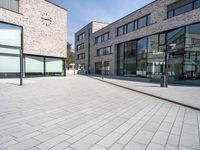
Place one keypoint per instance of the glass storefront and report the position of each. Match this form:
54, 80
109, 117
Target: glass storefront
146, 57
10, 47
43, 66
191, 67
105, 67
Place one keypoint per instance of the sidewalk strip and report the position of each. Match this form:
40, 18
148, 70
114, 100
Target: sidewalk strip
162, 98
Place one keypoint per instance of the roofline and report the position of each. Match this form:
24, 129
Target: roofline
128, 15
89, 24
56, 5
84, 27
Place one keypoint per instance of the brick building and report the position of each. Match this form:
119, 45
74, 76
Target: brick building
36, 29
163, 36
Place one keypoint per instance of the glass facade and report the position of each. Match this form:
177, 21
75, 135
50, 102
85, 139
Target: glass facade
43, 66
10, 47
146, 57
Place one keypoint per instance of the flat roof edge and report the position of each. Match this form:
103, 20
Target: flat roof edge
56, 5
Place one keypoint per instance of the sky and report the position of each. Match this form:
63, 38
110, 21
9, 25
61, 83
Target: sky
82, 12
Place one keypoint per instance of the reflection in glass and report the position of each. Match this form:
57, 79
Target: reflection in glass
176, 54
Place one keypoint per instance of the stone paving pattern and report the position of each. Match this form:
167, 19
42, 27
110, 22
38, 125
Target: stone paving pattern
80, 113
189, 95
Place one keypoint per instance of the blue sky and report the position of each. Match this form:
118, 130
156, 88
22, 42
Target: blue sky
81, 12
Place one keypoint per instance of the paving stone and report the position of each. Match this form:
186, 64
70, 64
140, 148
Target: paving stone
109, 139
173, 140
116, 146
125, 139
48, 117
165, 126
53, 142
134, 145
49, 134
86, 142
28, 144
60, 146
160, 137
97, 147
190, 140
153, 146
171, 147
143, 137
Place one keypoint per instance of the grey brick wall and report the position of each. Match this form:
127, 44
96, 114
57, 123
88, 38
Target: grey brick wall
159, 23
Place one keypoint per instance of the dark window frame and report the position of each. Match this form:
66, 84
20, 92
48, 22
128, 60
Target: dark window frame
135, 25
173, 11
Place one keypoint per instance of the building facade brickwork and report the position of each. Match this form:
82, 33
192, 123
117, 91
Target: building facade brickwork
159, 22
43, 28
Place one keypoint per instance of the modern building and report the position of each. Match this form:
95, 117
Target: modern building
163, 36
83, 44
32, 38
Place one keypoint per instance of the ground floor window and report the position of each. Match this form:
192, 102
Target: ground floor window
176, 52
80, 67
102, 67
10, 49
40, 66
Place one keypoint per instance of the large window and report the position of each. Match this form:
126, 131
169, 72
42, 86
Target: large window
104, 51
81, 36
80, 46
41, 66
130, 58
142, 22
175, 48
102, 38
192, 52
137, 24
10, 47
178, 7
12, 5
142, 47
182, 46
54, 66
102, 66
34, 65
81, 56
183, 9
156, 55
127, 58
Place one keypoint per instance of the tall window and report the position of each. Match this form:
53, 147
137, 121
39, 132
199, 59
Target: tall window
80, 46
12, 5
142, 47
192, 52
81, 56
10, 46
81, 36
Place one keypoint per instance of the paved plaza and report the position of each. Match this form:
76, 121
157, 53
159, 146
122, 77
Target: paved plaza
188, 95
81, 113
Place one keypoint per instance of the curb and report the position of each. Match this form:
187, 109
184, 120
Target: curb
152, 95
